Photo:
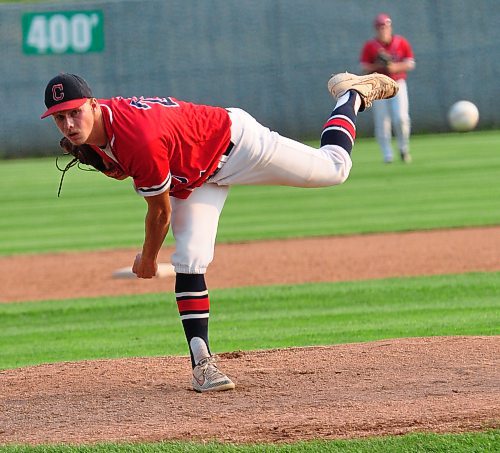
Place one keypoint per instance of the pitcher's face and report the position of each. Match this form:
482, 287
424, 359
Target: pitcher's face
76, 124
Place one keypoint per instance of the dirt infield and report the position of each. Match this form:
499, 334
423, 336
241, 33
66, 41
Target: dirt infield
386, 387
329, 259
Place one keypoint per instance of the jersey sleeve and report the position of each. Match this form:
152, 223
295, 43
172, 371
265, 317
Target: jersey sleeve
406, 49
152, 174
366, 55
149, 191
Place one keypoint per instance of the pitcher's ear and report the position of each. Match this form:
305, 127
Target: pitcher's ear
94, 104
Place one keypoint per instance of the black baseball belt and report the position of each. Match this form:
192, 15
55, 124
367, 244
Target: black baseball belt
223, 158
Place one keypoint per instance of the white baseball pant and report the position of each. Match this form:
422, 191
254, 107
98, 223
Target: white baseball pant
259, 157
393, 114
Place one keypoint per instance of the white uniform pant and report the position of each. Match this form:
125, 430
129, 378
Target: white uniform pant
259, 157
393, 115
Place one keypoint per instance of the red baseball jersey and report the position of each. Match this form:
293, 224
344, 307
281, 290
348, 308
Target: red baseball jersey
399, 49
163, 143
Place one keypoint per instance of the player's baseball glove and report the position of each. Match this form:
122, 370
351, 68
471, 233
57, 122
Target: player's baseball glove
86, 155
383, 59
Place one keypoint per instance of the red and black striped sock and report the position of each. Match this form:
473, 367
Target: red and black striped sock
194, 307
340, 128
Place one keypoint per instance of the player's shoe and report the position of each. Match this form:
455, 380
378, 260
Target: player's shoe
371, 87
208, 378
405, 157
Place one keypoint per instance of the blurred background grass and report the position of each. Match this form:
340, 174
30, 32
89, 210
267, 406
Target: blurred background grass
453, 182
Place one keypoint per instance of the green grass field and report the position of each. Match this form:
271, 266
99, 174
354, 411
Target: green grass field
453, 182
252, 318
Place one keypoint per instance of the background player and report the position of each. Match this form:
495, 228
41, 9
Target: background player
391, 55
183, 157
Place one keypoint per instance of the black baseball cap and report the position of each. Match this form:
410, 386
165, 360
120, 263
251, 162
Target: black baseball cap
64, 92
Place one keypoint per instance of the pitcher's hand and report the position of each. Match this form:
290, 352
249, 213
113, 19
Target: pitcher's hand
144, 268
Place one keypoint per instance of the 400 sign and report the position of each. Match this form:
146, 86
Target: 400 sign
63, 32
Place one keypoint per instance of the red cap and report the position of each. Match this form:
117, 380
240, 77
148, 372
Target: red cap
382, 19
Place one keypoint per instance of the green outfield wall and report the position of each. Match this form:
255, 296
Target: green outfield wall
270, 57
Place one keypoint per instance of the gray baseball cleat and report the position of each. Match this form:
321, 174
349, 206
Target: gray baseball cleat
208, 378
371, 87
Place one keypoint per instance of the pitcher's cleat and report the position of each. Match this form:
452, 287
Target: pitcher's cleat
208, 378
371, 87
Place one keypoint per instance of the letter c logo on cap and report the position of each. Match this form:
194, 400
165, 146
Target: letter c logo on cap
58, 92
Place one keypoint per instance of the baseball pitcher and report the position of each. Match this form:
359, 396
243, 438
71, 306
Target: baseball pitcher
182, 158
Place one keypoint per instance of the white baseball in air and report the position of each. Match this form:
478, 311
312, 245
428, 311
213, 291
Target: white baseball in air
463, 116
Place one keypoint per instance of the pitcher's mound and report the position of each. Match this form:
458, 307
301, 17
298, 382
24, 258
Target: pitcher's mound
439, 384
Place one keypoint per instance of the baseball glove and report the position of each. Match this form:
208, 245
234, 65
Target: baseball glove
383, 59
86, 155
